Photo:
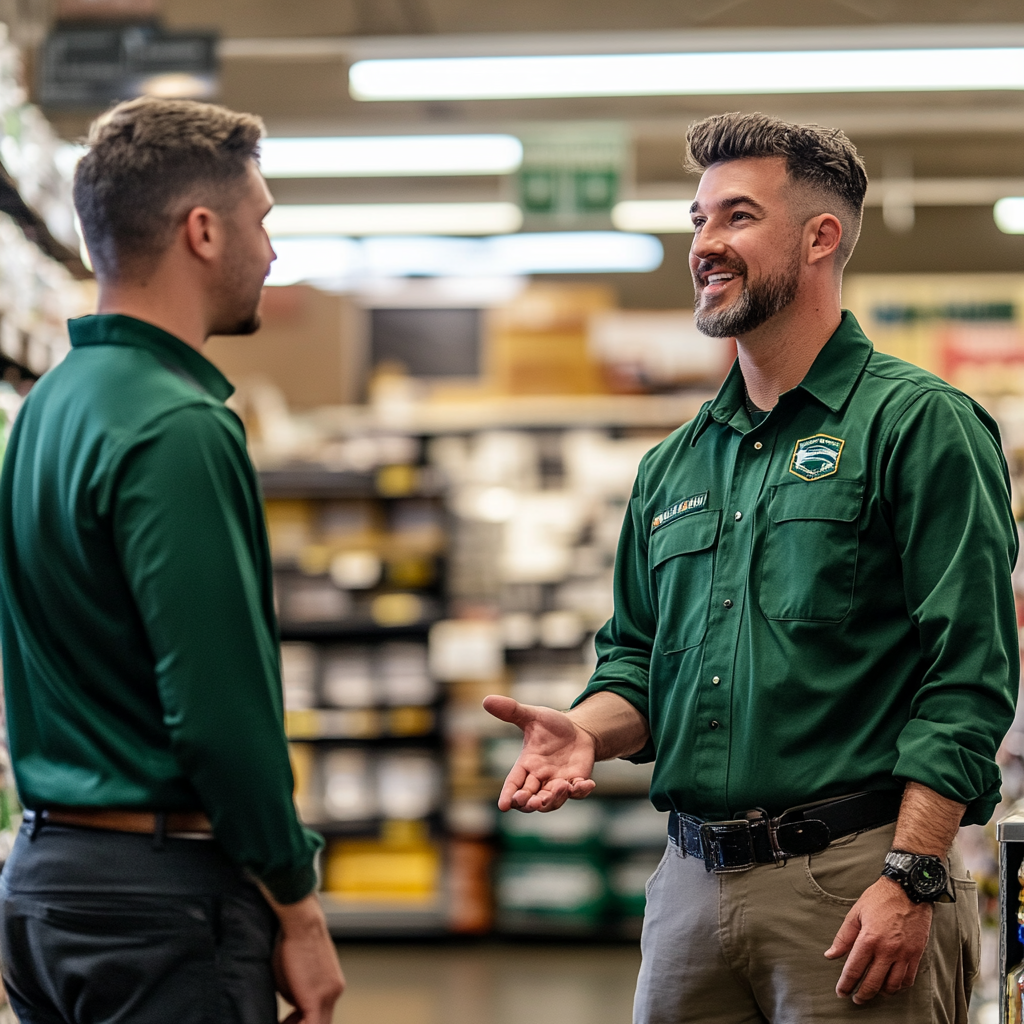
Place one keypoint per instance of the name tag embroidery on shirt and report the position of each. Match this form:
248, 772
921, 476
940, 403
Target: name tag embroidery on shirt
695, 503
816, 457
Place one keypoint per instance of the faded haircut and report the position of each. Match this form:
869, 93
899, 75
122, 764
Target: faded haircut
149, 162
822, 162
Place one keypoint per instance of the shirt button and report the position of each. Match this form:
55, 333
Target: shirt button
727, 603
716, 680
738, 516
758, 446
714, 723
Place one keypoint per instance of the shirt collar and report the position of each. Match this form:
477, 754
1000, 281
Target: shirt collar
116, 329
830, 379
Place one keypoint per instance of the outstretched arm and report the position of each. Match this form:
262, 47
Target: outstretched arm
560, 748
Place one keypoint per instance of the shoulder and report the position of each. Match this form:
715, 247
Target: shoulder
120, 393
929, 422
908, 381
911, 392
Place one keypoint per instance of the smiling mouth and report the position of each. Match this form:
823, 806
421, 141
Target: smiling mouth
715, 282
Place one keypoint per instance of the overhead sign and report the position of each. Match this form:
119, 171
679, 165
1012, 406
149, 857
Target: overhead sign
92, 64
125, 10
571, 173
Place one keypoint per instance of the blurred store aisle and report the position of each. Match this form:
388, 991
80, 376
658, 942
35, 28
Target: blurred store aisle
488, 984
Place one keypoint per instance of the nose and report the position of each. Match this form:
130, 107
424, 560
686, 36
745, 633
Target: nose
707, 243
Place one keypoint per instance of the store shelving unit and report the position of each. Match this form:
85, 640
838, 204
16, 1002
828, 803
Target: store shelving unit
359, 579
531, 452
35, 228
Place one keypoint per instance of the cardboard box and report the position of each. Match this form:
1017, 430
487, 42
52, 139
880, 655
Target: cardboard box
311, 346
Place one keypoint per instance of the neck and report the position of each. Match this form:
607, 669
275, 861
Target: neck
776, 356
158, 303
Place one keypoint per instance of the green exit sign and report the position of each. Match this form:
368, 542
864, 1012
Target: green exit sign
571, 174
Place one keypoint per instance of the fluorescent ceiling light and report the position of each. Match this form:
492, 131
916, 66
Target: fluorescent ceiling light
570, 252
395, 219
345, 262
390, 156
314, 259
688, 74
662, 216
179, 86
1009, 215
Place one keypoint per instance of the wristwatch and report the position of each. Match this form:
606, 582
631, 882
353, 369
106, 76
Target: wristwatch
924, 879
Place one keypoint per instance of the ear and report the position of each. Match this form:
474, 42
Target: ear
204, 233
822, 234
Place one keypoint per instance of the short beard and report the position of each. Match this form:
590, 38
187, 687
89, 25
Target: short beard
238, 284
758, 303
249, 325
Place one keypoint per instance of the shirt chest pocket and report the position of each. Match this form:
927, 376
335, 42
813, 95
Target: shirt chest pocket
810, 556
682, 558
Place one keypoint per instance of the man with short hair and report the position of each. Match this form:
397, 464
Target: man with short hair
814, 635
162, 874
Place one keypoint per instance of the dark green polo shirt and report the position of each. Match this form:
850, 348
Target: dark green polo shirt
141, 665
820, 604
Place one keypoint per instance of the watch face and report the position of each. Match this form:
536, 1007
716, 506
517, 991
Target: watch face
928, 877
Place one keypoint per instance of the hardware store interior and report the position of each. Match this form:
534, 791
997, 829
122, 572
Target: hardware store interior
479, 320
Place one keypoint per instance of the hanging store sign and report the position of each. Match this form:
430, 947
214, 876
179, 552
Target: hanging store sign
125, 10
570, 173
92, 64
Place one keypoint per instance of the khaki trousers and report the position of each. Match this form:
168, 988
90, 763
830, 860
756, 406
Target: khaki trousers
749, 946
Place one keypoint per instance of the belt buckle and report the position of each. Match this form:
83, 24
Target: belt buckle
727, 846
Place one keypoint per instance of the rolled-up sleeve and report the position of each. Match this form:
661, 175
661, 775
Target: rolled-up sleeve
625, 642
188, 527
947, 492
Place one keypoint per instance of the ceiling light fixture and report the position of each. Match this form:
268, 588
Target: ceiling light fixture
394, 219
1009, 215
347, 263
689, 74
662, 216
390, 156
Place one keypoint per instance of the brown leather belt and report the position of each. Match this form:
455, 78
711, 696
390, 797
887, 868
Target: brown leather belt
143, 822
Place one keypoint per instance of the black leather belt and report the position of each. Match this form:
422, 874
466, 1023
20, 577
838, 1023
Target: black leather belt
757, 839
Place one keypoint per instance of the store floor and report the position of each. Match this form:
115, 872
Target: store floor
489, 983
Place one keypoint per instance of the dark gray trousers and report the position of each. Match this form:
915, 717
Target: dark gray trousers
101, 927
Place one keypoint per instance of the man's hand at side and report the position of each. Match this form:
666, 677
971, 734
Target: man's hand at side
556, 760
885, 932
305, 962
560, 748
885, 935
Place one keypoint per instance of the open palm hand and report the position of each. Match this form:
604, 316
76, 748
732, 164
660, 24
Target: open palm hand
556, 761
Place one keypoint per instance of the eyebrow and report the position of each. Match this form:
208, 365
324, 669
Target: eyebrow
728, 204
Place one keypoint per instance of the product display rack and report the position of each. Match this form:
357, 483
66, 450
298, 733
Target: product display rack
35, 229
588, 865
343, 739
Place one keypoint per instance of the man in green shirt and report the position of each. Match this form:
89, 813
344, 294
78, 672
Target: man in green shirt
812, 607
161, 874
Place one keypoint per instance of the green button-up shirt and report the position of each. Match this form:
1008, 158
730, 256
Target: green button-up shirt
141, 665
820, 604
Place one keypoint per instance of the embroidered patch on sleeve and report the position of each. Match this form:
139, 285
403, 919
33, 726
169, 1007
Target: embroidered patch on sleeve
815, 457
695, 503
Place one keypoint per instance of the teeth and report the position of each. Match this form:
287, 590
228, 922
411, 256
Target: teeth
715, 278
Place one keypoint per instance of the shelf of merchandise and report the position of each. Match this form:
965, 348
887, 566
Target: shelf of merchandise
481, 852
35, 229
512, 412
374, 731
363, 630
